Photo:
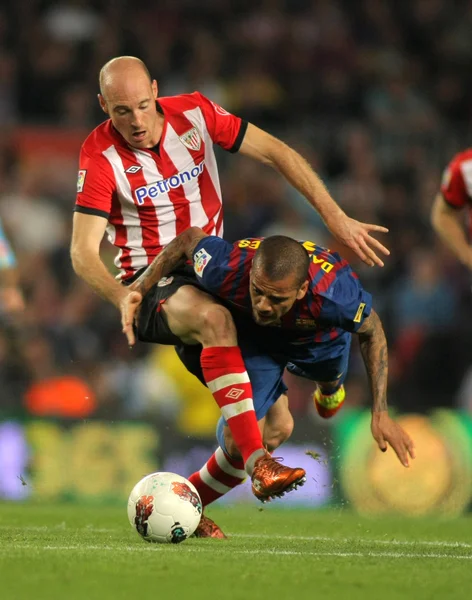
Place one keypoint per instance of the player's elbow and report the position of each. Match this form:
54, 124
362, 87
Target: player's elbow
80, 258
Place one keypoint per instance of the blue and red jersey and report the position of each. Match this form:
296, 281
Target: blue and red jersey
334, 303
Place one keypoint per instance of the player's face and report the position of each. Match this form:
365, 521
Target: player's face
131, 105
271, 300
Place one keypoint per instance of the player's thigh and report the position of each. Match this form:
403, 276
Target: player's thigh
196, 317
176, 311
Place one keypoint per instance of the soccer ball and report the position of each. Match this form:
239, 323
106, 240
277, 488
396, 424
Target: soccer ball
165, 508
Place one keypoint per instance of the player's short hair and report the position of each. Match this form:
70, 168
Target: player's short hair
279, 256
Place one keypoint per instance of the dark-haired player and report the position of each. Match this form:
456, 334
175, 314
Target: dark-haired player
295, 305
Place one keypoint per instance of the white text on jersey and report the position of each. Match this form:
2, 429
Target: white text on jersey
152, 190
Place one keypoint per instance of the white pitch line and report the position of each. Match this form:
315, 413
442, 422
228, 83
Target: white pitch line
229, 550
262, 536
320, 538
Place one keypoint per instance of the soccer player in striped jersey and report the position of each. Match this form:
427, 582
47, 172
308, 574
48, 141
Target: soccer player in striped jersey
304, 303
147, 174
452, 209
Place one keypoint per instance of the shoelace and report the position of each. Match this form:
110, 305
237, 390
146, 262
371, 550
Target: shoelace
277, 467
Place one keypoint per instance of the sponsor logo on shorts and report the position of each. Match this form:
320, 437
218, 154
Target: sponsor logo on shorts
200, 261
164, 186
81, 180
359, 313
133, 169
163, 281
191, 139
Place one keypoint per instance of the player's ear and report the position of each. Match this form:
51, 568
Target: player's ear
303, 290
155, 89
103, 104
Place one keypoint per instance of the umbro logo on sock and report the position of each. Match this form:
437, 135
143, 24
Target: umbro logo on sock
234, 393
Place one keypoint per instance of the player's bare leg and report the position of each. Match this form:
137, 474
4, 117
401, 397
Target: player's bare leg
329, 398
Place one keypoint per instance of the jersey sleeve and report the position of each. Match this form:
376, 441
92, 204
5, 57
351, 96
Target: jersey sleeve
345, 304
95, 185
225, 129
453, 187
7, 257
212, 263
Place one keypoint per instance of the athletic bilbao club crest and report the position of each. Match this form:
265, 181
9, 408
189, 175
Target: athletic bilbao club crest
191, 139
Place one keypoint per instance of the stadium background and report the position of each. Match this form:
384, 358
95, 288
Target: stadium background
377, 96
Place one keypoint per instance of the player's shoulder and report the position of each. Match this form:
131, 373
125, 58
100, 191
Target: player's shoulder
464, 157
181, 102
101, 138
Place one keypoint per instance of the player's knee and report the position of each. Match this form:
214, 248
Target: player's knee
216, 326
276, 436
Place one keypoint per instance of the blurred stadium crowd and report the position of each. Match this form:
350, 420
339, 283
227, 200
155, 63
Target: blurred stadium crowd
377, 96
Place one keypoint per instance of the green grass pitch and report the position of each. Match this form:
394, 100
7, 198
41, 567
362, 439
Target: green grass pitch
87, 553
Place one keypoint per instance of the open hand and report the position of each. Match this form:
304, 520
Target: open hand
386, 430
356, 235
129, 308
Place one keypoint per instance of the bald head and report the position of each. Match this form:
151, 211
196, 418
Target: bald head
118, 69
128, 96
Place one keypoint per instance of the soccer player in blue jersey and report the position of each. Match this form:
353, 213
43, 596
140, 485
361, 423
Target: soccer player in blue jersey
295, 305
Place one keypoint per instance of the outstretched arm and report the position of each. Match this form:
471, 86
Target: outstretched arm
271, 151
178, 251
374, 351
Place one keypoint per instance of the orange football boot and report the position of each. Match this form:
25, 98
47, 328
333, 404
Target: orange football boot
208, 529
328, 405
270, 479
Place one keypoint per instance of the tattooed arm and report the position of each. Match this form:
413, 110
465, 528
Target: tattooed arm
180, 249
174, 254
374, 351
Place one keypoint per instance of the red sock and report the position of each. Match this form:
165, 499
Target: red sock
226, 377
218, 476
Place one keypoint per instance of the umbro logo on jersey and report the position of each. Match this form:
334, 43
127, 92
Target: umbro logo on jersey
191, 139
133, 169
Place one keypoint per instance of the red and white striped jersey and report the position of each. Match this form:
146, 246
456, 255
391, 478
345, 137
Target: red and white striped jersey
150, 196
456, 185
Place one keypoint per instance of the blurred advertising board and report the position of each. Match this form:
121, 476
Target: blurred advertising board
100, 461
